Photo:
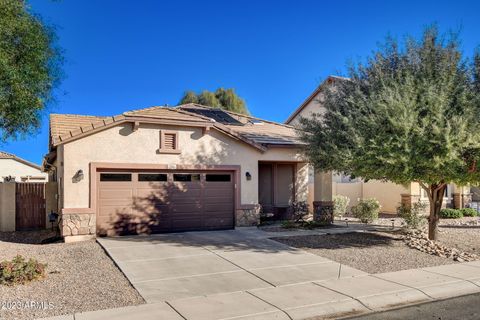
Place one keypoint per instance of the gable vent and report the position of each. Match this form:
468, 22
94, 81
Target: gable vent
170, 141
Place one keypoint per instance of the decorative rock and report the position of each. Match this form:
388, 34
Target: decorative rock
418, 239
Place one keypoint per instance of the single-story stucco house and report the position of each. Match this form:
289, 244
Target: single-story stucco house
13, 168
164, 169
389, 194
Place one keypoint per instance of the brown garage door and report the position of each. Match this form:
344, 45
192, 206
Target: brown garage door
132, 202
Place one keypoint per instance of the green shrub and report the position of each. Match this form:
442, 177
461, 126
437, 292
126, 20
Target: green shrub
450, 214
366, 210
313, 224
20, 271
469, 212
413, 217
340, 205
288, 224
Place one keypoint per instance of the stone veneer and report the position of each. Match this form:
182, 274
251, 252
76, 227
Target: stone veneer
408, 200
247, 217
78, 224
461, 200
323, 212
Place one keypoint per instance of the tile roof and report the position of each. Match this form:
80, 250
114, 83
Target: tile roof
6, 155
164, 113
63, 124
260, 133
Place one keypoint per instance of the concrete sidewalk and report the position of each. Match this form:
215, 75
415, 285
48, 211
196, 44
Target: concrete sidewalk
243, 275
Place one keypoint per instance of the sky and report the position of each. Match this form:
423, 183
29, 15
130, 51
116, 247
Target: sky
124, 55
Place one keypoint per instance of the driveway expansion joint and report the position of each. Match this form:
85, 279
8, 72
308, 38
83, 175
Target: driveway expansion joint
174, 309
286, 313
401, 284
236, 265
442, 274
351, 297
168, 258
185, 277
287, 265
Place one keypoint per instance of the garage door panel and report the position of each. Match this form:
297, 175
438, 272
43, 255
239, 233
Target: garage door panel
189, 223
115, 193
149, 194
152, 210
118, 203
224, 192
213, 223
151, 202
186, 208
187, 185
106, 210
213, 201
218, 207
185, 195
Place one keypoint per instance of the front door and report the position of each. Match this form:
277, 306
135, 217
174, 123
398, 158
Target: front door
276, 188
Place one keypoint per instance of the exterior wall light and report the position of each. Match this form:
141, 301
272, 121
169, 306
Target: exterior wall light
248, 176
78, 176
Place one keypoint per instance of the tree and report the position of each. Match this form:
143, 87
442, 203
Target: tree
189, 97
229, 99
30, 68
222, 98
208, 98
410, 113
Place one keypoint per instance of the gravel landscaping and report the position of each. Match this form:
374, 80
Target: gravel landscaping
462, 234
277, 227
372, 252
80, 277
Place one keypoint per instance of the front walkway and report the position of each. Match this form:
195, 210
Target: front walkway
241, 274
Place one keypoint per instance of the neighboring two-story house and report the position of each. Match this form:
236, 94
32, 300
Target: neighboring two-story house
389, 194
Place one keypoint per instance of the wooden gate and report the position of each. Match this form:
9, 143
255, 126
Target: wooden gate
30, 212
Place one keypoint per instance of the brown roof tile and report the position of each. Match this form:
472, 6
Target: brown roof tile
252, 130
255, 129
6, 155
61, 125
164, 113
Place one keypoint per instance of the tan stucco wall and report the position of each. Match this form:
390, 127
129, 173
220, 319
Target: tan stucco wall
301, 182
14, 168
314, 106
121, 145
387, 193
7, 207
352, 190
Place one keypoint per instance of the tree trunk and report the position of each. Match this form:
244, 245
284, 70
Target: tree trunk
436, 192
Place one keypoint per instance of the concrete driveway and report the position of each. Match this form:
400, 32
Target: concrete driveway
242, 275
168, 267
